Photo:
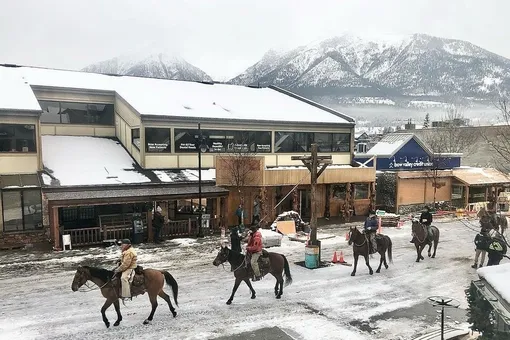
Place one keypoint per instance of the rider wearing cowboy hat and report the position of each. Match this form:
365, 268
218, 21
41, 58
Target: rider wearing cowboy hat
126, 267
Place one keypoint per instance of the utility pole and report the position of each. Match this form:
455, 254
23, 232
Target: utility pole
313, 162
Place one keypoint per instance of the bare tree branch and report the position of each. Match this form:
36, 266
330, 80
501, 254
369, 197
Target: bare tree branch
498, 136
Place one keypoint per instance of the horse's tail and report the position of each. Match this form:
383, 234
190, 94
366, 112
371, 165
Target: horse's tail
288, 277
390, 245
172, 283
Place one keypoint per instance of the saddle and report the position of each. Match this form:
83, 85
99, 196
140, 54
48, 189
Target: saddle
137, 282
263, 262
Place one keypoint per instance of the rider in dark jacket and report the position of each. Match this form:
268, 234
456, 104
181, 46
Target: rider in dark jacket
371, 225
426, 220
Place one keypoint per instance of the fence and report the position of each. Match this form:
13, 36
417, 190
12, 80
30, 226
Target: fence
85, 236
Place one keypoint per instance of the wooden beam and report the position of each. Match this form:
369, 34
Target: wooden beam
321, 170
54, 225
150, 235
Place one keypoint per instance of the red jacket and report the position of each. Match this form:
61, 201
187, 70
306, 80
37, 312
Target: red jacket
254, 243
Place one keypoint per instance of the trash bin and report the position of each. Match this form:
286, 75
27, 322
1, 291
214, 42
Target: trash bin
312, 256
137, 228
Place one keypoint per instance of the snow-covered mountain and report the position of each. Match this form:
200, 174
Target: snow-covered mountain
408, 66
156, 65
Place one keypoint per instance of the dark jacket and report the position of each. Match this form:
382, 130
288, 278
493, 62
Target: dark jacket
158, 220
371, 224
235, 240
426, 218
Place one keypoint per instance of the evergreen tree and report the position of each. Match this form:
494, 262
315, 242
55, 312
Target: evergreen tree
426, 122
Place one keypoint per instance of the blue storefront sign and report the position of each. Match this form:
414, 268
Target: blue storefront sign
406, 152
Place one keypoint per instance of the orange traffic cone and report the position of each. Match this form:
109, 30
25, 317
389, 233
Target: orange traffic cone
347, 236
335, 260
341, 259
379, 226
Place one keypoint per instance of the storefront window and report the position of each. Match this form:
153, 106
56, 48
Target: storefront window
157, 139
17, 138
292, 141
22, 210
324, 142
77, 113
223, 141
360, 191
341, 142
340, 191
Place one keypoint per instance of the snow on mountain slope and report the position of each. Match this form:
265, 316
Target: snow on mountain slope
156, 65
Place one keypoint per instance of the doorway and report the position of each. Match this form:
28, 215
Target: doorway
305, 205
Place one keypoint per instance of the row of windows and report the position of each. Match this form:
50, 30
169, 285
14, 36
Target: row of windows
17, 138
187, 140
76, 113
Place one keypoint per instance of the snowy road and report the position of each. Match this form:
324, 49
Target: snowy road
327, 303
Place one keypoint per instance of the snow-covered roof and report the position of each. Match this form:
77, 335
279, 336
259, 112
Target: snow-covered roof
497, 277
480, 176
162, 97
76, 161
16, 94
390, 144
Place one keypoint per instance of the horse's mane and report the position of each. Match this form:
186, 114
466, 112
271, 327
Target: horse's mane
235, 254
100, 273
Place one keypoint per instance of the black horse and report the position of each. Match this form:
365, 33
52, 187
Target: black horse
360, 246
277, 265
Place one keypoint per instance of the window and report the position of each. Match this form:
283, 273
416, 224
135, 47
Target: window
341, 142
292, 141
22, 210
457, 192
301, 141
360, 191
77, 113
361, 147
135, 138
324, 142
340, 191
223, 141
17, 138
157, 140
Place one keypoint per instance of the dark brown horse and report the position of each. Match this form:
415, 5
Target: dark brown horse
151, 281
420, 239
276, 266
360, 246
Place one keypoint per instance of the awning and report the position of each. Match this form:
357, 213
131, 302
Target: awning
481, 176
130, 195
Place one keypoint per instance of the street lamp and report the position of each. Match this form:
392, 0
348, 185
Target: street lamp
202, 147
444, 302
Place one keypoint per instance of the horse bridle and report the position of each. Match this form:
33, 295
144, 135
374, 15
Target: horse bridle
358, 245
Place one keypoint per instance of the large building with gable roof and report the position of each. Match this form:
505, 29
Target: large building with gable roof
81, 152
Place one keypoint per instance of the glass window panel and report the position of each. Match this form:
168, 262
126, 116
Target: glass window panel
185, 140
340, 191
260, 141
361, 191
17, 138
324, 141
157, 140
342, 142
135, 138
101, 114
51, 112
32, 209
69, 214
74, 113
237, 141
12, 213
284, 141
30, 180
7, 181
87, 213
217, 140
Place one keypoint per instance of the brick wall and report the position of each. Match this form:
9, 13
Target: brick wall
14, 239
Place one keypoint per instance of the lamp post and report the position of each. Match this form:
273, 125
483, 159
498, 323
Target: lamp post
444, 302
200, 146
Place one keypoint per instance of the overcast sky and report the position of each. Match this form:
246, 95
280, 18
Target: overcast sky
223, 37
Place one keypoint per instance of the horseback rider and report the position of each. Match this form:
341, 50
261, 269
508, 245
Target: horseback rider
370, 227
254, 251
126, 267
491, 209
426, 220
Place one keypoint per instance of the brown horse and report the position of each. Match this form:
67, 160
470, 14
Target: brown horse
420, 239
360, 246
276, 265
151, 281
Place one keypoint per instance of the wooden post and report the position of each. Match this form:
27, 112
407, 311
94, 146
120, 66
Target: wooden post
150, 235
55, 226
312, 163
